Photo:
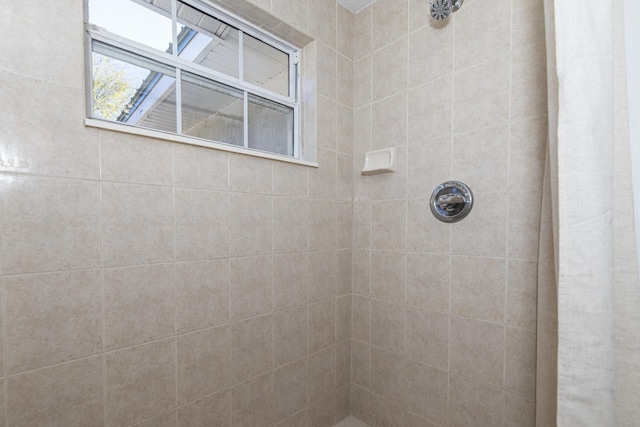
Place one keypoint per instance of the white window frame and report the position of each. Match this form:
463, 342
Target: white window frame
93, 32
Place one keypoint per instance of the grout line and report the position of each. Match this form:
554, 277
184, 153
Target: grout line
175, 284
370, 206
103, 289
403, 303
506, 278
68, 362
450, 226
5, 386
271, 287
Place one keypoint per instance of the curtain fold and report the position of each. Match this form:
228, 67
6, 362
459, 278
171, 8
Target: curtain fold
589, 217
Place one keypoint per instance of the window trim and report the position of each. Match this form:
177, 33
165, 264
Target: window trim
191, 140
293, 101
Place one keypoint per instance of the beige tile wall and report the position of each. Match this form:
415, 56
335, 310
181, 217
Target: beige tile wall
444, 315
156, 284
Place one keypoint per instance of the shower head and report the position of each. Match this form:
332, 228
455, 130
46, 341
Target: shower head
441, 9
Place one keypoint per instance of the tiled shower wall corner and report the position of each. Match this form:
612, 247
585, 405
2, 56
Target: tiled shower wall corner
444, 315
157, 284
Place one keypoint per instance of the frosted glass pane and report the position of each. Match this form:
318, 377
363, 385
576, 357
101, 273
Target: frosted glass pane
211, 110
270, 126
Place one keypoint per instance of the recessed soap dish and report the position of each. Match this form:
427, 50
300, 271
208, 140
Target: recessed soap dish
379, 161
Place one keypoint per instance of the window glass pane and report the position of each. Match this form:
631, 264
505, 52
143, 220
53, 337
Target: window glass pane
131, 89
144, 21
265, 66
204, 40
270, 126
211, 110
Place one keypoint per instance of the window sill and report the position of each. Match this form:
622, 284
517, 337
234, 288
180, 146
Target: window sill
117, 127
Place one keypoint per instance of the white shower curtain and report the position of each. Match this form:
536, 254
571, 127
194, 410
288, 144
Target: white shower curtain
595, 380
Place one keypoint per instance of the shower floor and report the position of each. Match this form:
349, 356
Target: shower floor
351, 421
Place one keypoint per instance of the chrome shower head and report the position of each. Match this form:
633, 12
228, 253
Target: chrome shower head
441, 9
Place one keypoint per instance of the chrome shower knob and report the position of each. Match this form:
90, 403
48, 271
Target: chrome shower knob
451, 201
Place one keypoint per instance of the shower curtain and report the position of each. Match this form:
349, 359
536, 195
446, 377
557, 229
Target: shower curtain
588, 294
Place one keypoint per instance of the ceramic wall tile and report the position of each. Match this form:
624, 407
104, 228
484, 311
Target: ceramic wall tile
139, 304
290, 278
204, 363
43, 63
251, 347
488, 175
137, 224
346, 31
135, 159
50, 138
474, 403
202, 294
477, 350
290, 224
253, 402
251, 287
322, 275
290, 335
52, 318
476, 42
322, 325
389, 22
201, 224
387, 325
389, 74
327, 69
388, 275
522, 294
362, 33
322, 21
322, 374
428, 337
426, 391
49, 224
428, 278
249, 174
430, 48
78, 399
431, 113
290, 389
478, 288
140, 382
254, 209
520, 363
199, 167
481, 97
211, 410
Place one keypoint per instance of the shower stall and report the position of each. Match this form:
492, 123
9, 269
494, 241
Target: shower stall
152, 282
147, 282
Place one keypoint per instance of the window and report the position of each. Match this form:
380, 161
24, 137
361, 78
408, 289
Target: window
188, 68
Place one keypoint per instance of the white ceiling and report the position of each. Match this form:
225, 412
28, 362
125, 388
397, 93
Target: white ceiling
356, 6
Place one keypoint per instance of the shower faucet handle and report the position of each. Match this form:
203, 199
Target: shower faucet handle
448, 199
451, 201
